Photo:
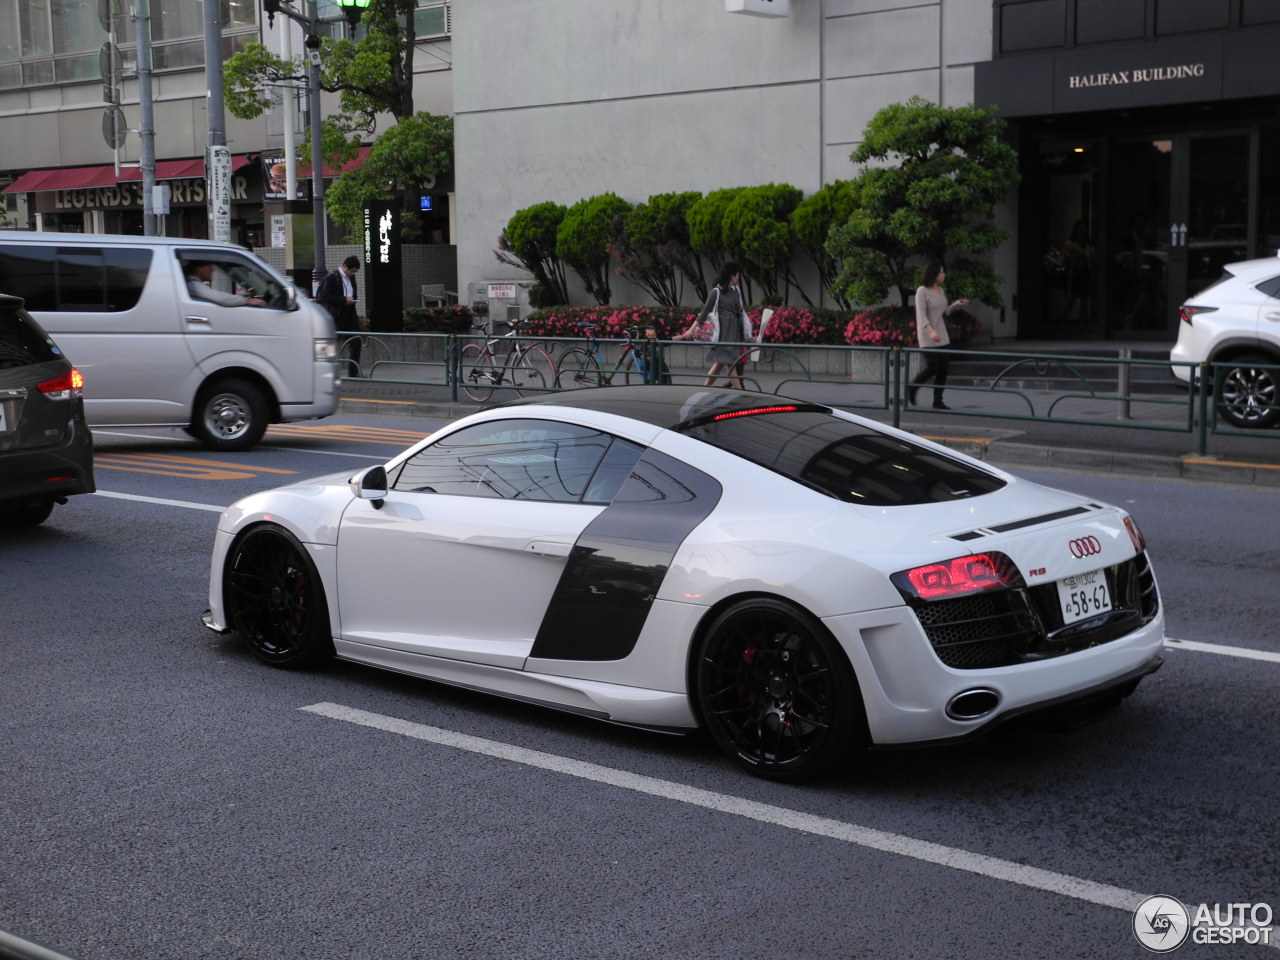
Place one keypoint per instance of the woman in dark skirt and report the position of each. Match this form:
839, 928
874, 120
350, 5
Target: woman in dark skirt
734, 326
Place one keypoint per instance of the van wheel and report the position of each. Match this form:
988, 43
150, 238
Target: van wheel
230, 415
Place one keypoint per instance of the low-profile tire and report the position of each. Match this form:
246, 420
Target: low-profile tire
230, 414
1249, 394
17, 516
275, 600
776, 693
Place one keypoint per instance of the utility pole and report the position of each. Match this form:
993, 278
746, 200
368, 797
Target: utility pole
146, 119
217, 161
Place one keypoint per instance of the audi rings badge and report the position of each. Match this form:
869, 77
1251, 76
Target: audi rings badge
1085, 547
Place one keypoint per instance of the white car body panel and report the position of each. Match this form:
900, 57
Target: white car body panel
454, 588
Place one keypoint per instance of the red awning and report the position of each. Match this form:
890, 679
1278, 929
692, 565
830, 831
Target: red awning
80, 178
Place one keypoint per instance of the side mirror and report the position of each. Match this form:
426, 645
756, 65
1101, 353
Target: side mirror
370, 484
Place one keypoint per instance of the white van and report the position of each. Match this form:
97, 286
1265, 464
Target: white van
155, 348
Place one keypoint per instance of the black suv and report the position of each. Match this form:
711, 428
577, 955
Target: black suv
46, 450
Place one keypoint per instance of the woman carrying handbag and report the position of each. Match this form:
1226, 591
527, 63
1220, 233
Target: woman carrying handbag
723, 321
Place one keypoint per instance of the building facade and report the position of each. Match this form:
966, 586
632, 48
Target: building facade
1148, 129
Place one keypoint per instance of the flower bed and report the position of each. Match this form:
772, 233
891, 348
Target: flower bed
896, 327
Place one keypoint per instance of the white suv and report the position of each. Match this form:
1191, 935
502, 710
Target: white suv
1235, 324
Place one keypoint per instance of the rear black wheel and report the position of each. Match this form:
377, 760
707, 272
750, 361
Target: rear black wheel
24, 514
1248, 396
776, 692
577, 368
275, 599
230, 414
478, 372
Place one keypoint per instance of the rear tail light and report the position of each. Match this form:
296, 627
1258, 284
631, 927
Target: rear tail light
1188, 313
976, 573
65, 387
1139, 541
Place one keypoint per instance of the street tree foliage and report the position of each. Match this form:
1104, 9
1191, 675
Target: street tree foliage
930, 180
811, 224
529, 243
583, 241
372, 76
706, 229
651, 246
756, 231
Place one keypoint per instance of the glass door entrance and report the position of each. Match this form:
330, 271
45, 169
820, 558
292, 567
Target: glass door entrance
1134, 226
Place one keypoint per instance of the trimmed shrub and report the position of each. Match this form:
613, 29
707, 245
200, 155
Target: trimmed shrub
451, 318
896, 327
613, 321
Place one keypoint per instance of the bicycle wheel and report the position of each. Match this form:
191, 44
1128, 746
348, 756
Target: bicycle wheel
534, 372
578, 368
477, 372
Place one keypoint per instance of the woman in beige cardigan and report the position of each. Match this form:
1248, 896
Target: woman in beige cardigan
931, 332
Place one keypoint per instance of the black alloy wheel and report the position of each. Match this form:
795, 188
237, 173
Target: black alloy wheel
776, 692
1248, 396
275, 599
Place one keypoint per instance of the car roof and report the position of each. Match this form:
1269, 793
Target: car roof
99, 239
670, 407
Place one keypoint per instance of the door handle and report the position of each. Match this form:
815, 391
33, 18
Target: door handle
203, 321
1272, 315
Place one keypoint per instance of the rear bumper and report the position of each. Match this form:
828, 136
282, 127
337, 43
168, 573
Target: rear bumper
49, 473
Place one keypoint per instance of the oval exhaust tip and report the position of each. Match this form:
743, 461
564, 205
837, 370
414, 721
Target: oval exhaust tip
973, 704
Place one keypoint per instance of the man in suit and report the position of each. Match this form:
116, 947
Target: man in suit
337, 291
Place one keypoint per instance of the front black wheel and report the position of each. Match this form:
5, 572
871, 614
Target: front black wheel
275, 599
776, 692
1248, 396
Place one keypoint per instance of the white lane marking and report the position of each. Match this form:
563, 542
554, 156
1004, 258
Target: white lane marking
1058, 883
1222, 649
160, 500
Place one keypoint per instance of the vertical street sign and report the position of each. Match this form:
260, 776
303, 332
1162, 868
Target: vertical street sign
218, 175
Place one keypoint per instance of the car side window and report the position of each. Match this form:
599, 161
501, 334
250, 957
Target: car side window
522, 460
1271, 287
235, 276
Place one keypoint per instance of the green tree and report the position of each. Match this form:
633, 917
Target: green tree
529, 242
372, 76
930, 180
651, 245
811, 223
706, 231
584, 237
757, 232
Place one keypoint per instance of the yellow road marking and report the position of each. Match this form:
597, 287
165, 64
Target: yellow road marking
1232, 463
192, 468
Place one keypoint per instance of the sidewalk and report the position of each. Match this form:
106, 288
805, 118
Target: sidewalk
981, 423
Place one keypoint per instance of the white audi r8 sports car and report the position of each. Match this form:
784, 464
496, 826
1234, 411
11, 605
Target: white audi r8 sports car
801, 582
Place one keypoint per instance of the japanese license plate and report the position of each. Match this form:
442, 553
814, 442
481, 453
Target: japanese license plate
1083, 595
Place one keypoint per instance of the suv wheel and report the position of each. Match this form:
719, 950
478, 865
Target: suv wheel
25, 514
1249, 395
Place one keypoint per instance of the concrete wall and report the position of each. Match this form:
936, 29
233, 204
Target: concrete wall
566, 100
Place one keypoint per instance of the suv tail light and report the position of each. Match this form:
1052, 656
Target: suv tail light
65, 387
1188, 313
975, 573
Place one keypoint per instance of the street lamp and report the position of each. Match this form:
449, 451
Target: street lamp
311, 24
353, 9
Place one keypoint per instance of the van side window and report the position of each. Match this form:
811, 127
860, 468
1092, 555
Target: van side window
84, 279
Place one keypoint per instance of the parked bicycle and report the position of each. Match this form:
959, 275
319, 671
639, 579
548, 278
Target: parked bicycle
527, 368
585, 366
